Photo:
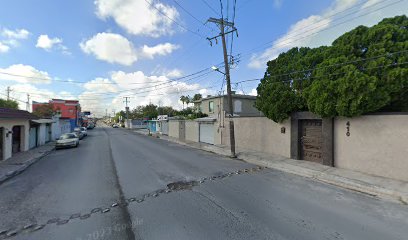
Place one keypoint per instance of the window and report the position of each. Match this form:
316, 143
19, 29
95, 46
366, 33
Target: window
211, 106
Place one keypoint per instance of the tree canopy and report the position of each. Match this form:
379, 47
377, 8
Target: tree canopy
365, 70
8, 104
44, 111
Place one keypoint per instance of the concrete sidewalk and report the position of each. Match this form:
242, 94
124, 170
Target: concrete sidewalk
368, 184
22, 160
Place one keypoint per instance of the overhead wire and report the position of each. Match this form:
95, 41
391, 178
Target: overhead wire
262, 46
171, 19
210, 7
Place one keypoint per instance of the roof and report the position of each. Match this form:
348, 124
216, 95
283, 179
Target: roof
44, 120
234, 96
8, 113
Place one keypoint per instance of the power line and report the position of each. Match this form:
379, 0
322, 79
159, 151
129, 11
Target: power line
335, 74
171, 19
211, 8
288, 38
323, 76
191, 15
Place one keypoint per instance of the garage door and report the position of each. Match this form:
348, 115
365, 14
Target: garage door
311, 141
207, 133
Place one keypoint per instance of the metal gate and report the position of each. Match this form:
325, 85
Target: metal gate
47, 133
165, 127
311, 141
33, 137
207, 133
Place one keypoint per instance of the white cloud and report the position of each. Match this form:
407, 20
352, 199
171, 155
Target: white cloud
20, 91
47, 43
16, 34
100, 85
323, 29
115, 48
138, 17
11, 37
142, 88
160, 49
175, 73
24, 74
110, 47
4, 48
253, 92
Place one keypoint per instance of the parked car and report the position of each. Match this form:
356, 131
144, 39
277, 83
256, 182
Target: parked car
79, 133
84, 131
67, 140
115, 126
90, 125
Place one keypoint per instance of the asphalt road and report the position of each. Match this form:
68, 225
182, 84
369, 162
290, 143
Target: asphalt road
117, 166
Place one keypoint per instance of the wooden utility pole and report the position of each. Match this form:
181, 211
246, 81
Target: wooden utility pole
222, 24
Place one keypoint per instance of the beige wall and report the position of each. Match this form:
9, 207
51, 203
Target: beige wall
259, 134
221, 104
174, 128
378, 144
8, 125
192, 131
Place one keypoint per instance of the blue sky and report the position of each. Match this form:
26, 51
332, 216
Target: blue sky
99, 51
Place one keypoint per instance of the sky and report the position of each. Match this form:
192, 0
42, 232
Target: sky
154, 51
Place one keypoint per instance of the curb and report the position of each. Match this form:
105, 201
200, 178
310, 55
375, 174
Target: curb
24, 166
321, 176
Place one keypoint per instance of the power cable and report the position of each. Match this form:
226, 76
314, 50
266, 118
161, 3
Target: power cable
287, 43
171, 19
211, 8
191, 15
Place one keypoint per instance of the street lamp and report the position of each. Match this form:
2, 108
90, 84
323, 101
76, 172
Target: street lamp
214, 68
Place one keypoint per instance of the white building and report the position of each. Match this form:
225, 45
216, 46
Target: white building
14, 131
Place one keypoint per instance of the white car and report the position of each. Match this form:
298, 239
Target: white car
67, 140
84, 131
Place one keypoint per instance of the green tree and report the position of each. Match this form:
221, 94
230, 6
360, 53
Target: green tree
197, 97
183, 99
120, 116
346, 79
8, 104
45, 110
150, 111
188, 100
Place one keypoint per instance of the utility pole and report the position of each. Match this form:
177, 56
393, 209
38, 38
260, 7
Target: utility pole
106, 112
221, 23
28, 102
127, 108
8, 92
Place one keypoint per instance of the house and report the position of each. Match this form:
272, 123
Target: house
14, 131
68, 109
217, 106
41, 131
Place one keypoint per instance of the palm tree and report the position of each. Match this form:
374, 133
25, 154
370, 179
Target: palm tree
183, 99
188, 100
